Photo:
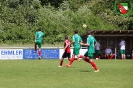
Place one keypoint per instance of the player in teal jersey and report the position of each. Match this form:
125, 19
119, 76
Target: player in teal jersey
38, 41
76, 40
91, 43
91, 48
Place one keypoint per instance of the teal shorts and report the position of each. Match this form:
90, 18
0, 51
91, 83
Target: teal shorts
90, 55
109, 54
76, 50
39, 44
98, 52
122, 51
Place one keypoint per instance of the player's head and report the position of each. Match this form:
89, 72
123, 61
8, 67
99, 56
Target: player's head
66, 37
99, 40
122, 39
88, 32
108, 46
76, 31
39, 29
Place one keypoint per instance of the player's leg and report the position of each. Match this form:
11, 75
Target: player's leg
35, 47
91, 55
121, 54
121, 51
124, 54
85, 58
99, 54
61, 62
62, 59
111, 56
72, 59
39, 50
93, 64
69, 56
77, 53
107, 56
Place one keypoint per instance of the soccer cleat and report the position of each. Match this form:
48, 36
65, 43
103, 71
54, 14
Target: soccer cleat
96, 71
60, 66
78, 60
68, 65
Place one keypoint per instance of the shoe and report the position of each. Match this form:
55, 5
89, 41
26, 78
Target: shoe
39, 57
78, 60
60, 66
96, 71
68, 65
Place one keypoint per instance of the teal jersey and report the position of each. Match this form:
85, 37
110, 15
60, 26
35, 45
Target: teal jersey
91, 41
77, 39
39, 35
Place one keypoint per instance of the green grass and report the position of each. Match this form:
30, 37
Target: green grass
46, 74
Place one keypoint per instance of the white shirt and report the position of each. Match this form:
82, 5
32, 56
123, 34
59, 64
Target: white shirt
108, 51
122, 45
98, 46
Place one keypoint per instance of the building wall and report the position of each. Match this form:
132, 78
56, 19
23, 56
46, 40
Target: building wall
113, 41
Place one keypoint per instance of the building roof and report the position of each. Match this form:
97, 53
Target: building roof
112, 33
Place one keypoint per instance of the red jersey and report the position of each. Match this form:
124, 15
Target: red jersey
67, 42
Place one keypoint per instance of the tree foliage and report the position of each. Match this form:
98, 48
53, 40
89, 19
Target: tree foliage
21, 18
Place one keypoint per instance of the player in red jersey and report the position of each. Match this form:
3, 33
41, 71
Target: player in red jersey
67, 51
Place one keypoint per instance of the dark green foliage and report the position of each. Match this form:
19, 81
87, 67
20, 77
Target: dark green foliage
20, 19
55, 3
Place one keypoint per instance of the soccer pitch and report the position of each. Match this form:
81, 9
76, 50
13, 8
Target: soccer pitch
47, 74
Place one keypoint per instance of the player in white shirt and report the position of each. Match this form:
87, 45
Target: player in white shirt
122, 49
108, 53
98, 50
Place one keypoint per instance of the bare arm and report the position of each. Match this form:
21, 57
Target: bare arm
84, 44
95, 43
72, 42
66, 46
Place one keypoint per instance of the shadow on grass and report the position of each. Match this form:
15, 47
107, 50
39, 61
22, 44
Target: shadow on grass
85, 71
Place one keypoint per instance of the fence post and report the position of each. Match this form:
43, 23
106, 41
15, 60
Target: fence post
115, 53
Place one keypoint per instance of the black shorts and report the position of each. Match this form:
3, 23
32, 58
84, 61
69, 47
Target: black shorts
65, 55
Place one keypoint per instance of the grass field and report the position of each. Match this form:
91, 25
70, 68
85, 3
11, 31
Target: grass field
47, 74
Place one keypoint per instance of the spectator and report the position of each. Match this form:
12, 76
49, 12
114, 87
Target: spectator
98, 50
108, 53
122, 49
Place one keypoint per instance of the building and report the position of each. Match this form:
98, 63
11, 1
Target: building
113, 39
